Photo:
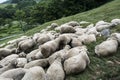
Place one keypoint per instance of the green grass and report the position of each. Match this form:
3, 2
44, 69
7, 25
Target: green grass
98, 69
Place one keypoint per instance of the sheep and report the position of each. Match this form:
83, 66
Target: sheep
76, 42
84, 22
16, 41
38, 55
67, 29
26, 45
86, 39
31, 56
49, 47
73, 23
76, 64
10, 46
75, 51
60, 53
80, 31
2, 78
106, 48
55, 71
116, 36
92, 30
5, 52
43, 39
36, 36
54, 25
15, 74
34, 73
41, 62
11, 65
20, 62
22, 54
115, 21
8, 59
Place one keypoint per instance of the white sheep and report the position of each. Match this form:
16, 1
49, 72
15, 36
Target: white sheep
41, 62
106, 48
31, 56
15, 74
60, 53
26, 45
11, 65
20, 62
73, 23
76, 64
55, 71
50, 47
2, 78
5, 52
86, 39
67, 29
54, 25
115, 21
8, 59
116, 36
80, 31
76, 42
75, 51
34, 73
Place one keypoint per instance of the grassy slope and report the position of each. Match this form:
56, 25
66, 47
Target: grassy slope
98, 68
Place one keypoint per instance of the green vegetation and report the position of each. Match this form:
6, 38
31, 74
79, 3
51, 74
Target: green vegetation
100, 68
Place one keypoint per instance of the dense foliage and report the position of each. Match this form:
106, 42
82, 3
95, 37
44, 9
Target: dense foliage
44, 11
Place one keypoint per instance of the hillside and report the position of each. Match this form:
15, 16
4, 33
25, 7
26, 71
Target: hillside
99, 68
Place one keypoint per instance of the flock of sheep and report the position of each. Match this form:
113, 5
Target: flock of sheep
53, 54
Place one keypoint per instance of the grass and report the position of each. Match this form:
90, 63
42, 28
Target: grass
99, 68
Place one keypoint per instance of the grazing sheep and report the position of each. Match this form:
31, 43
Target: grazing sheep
11, 65
80, 31
67, 29
76, 42
84, 22
76, 64
38, 55
22, 54
115, 21
75, 51
2, 78
92, 30
16, 41
15, 74
73, 23
116, 36
55, 71
10, 46
31, 56
34, 73
43, 39
50, 47
26, 45
106, 48
54, 25
36, 36
60, 53
5, 52
86, 39
41, 62
8, 59
20, 62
